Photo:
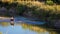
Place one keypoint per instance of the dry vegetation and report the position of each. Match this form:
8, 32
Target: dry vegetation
40, 5
40, 9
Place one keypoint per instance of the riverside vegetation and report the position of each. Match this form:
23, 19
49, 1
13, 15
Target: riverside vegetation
47, 12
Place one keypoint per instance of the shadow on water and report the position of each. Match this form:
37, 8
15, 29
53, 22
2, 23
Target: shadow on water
24, 26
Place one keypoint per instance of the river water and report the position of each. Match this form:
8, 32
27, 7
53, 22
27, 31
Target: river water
23, 25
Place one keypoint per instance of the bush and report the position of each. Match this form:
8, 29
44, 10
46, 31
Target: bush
49, 2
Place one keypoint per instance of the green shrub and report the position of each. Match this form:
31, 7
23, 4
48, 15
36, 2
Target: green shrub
49, 2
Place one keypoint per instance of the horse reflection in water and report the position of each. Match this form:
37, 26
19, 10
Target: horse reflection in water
12, 21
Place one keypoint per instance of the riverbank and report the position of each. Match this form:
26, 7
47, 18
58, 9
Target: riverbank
47, 13
4, 17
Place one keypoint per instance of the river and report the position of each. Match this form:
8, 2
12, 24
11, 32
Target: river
23, 25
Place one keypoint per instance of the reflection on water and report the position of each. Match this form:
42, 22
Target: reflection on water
4, 24
0, 32
18, 28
